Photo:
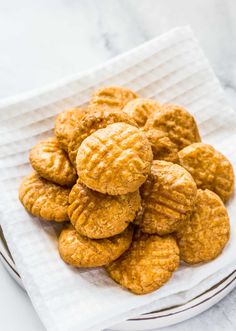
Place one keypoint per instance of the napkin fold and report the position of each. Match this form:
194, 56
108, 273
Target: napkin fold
171, 68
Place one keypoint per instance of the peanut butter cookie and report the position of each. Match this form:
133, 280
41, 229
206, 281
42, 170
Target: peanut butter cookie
52, 162
206, 232
147, 265
65, 124
44, 199
80, 251
93, 122
111, 98
140, 109
209, 168
96, 215
162, 147
168, 197
115, 160
170, 130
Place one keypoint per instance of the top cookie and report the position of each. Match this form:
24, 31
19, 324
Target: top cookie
209, 168
91, 123
140, 109
65, 124
52, 163
111, 98
170, 130
115, 160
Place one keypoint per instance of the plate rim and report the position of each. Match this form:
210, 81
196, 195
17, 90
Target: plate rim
154, 319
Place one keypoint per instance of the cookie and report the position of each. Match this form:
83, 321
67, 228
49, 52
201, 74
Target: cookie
140, 109
93, 122
204, 234
170, 130
115, 160
96, 215
168, 197
209, 168
52, 162
44, 199
111, 98
65, 124
80, 251
162, 147
147, 265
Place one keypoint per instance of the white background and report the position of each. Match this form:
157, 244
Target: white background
43, 41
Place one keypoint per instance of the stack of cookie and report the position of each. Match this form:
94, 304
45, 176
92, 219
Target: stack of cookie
140, 189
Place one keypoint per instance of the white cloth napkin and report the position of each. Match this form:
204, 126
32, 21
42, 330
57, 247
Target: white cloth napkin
170, 68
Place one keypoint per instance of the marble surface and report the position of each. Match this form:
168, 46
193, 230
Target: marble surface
44, 41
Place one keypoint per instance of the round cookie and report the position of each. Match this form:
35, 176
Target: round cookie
147, 265
206, 232
140, 109
65, 123
170, 130
111, 98
93, 122
168, 197
115, 160
80, 251
52, 163
96, 215
44, 199
209, 168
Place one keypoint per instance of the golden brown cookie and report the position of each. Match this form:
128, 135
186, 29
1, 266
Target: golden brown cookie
93, 122
147, 265
96, 215
115, 160
80, 251
140, 109
52, 162
204, 235
44, 199
170, 130
209, 168
168, 197
65, 124
162, 147
111, 98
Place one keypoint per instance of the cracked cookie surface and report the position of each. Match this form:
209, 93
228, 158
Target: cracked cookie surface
168, 197
209, 168
52, 162
206, 232
96, 215
115, 160
111, 98
170, 130
140, 109
44, 199
93, 122
80, 251
66, 122
147, 265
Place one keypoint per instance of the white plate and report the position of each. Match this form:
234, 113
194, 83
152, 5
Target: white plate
152, 320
